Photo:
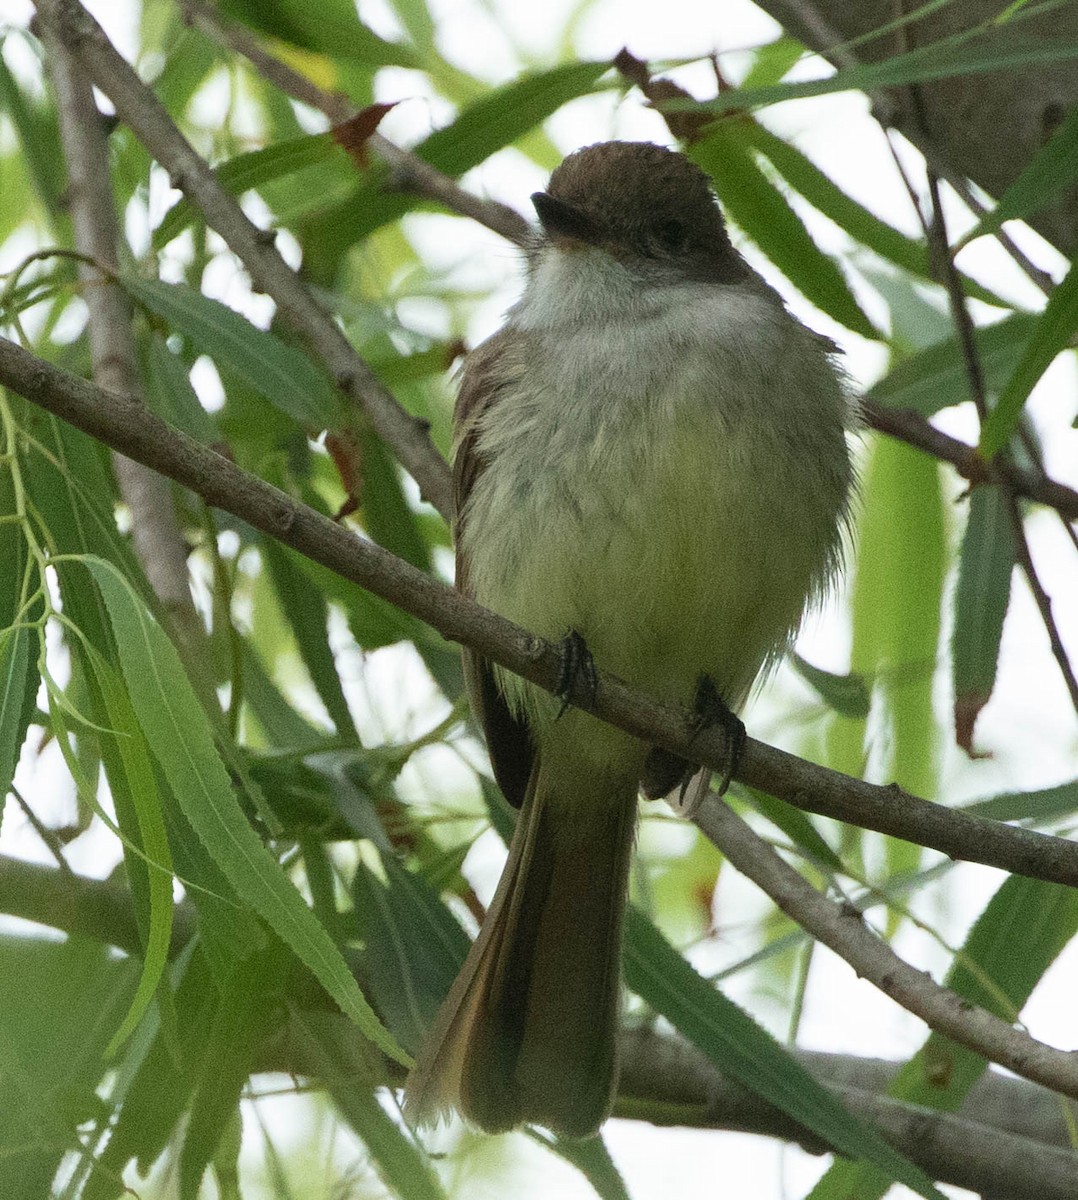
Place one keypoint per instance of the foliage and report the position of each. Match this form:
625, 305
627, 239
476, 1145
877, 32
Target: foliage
288, 792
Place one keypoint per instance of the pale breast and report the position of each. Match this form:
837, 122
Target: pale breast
671, 488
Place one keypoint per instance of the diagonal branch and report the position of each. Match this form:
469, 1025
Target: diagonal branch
140, 109
409, 172
137, 432
842, 928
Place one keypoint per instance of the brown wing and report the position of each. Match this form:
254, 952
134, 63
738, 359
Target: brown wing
488, 371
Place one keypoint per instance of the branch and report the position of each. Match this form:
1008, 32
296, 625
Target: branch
139, 433
1009, 1132
842, 928
89, 907
140, 109
409, 172
910, 427
156, 534
667, 1081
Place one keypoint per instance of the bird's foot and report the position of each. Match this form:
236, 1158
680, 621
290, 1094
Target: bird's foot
578, 675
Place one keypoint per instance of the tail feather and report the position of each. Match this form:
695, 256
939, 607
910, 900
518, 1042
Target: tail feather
528, 1032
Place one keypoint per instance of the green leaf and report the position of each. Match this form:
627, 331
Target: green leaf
140, 789
936, 378
753, 202
179, 734
15, 678
1051, 334
802, 174
1041, 806
253, 169
491, 123
413, 947
1052, 168
980, 604
847, 694
39, 139
398, 1160
797, 826
164, 1080
61, 1003
999, 49
169, 393
331, 27
307, 613
592, 1159
772, 62
280, 373
749, 1055
248, 1013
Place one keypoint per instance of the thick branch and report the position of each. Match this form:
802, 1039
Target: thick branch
140, 109
667, 1081
135, 431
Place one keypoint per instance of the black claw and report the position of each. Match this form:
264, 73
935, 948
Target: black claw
711, 709
578, 674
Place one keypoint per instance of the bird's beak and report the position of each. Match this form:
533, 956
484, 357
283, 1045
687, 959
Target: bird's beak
564, 221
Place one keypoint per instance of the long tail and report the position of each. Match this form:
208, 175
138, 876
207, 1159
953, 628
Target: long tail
528, 1032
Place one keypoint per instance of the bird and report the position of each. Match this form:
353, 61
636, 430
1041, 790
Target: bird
651, 466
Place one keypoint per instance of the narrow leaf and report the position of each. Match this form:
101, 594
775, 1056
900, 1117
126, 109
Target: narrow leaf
754, 203
280, 373
15, 674
395, 1155
141, 789
1052, 333
1052, 168
307, 613
1000, 49
1041, 806
180, 737
802, 174
980, 604
748, 1054
936, 378
251, 170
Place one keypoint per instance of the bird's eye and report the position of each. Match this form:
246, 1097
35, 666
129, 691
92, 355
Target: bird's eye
672, 236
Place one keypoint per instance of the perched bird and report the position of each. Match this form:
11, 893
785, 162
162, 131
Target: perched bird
650, 456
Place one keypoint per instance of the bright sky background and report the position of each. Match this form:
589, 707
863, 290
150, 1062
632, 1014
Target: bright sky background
1029, 724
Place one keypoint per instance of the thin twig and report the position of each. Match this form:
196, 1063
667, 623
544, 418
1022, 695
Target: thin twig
143, 436
944, 262
409, 172
913, 429
140, 109
842, 928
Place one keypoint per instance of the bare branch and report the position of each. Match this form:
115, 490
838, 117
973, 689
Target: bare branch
140, 109
156, 534
842, 928
665, 1080
127, 427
